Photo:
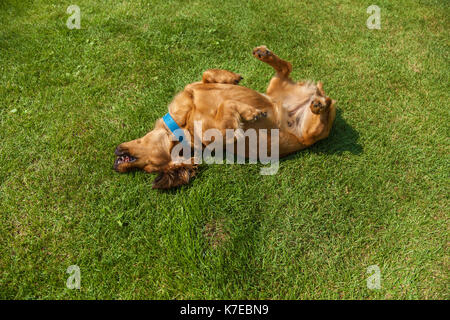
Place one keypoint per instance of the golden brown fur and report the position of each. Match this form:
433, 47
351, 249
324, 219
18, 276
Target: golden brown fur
300, 110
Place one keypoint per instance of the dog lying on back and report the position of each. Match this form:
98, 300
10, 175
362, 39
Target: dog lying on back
300, 110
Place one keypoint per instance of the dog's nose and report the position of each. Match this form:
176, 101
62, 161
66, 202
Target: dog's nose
119, 151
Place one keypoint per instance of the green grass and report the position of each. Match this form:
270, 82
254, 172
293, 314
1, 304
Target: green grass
374, 193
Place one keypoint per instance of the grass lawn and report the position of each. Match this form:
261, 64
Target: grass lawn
376, 192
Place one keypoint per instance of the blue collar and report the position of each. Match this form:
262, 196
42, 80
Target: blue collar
174, 128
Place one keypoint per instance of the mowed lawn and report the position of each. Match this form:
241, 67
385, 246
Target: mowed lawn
376, 192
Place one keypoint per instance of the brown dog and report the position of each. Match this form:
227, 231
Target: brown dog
300, 110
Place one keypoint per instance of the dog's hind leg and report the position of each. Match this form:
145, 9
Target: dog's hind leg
221, 76
282, 67
317, 121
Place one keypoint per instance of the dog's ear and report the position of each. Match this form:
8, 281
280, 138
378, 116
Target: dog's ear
175, 176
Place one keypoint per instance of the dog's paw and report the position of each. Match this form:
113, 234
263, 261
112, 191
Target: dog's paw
237, 79
252, 115
319, 106
262, 53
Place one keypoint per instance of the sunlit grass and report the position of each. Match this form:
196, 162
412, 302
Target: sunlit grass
374, 193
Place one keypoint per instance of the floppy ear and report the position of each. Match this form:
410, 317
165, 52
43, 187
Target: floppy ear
175, 176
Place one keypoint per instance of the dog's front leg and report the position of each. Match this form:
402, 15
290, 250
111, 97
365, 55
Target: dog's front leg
282, 67
220, 76
231, 113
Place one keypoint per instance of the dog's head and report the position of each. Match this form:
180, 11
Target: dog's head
152, 153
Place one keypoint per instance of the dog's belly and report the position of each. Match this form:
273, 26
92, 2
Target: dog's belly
207, 97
